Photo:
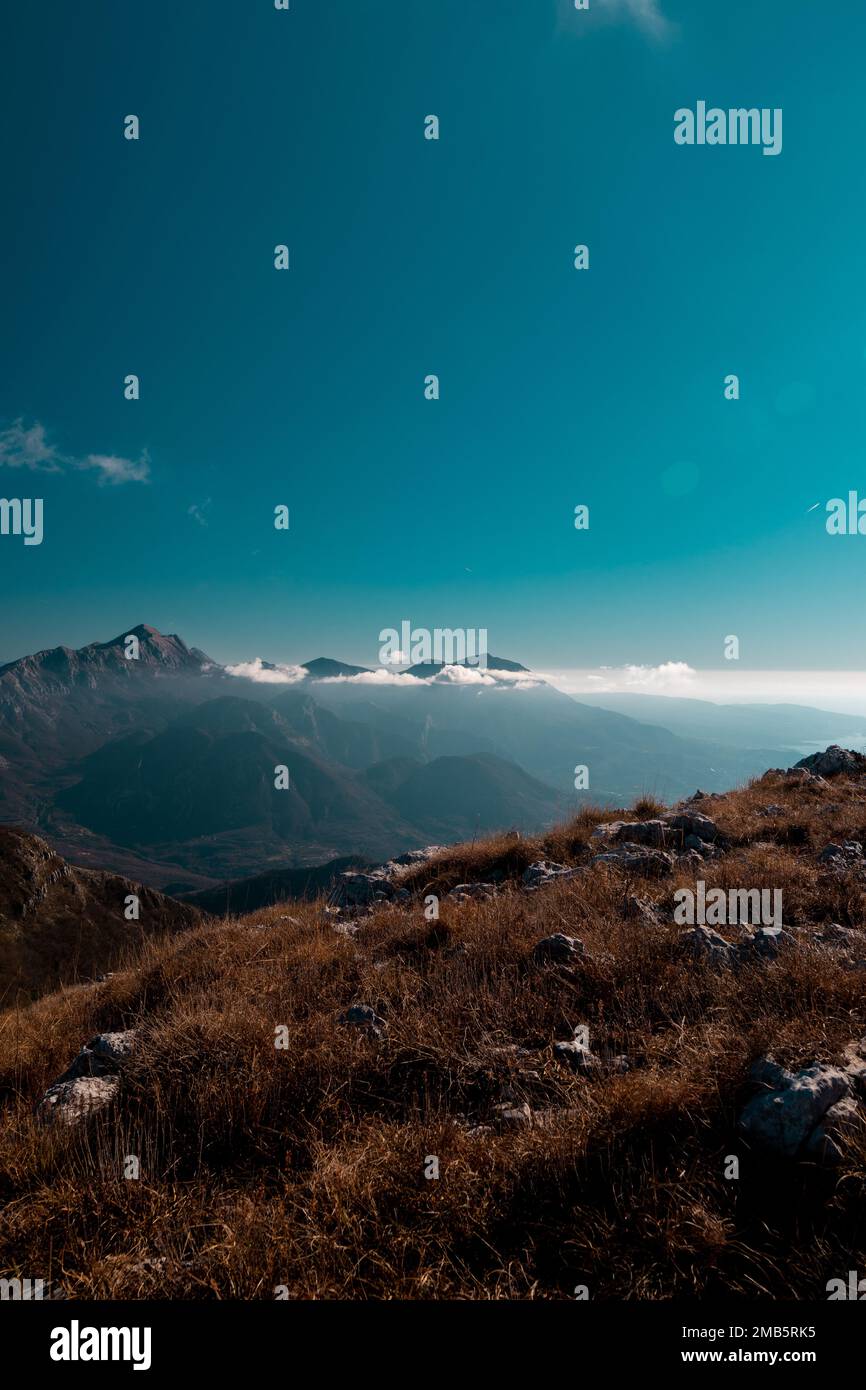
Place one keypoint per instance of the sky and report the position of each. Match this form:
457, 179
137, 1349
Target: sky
409, 257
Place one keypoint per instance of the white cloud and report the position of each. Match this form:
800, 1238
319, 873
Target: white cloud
27, 447
669, 678
197, 512
264, 674
461, 675
488, 675
645, 14
381, 676
114, 470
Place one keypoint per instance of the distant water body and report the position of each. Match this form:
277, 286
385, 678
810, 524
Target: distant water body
858, 743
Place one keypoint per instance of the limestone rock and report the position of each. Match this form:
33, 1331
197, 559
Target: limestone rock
69, 1102
833, 761
637, 859
783, 1118
557, 949
543, 872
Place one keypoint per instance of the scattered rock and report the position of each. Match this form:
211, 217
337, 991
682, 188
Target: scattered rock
692, 823
557, 949
701, 848
833, 761
91, 1082
841, 857
798, 775
704, 944
643, 910
509, 1116
69, 1102
362, 1016
577, 1058
417, 856
355, 888
837, 935
466, 892
543, 872
783, 1119
637, 859
655, 833
479, 1131
771, 810
766, 942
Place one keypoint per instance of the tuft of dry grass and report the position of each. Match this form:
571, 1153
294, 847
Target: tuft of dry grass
305, 1166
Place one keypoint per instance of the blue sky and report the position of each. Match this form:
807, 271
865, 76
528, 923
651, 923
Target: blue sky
454, 257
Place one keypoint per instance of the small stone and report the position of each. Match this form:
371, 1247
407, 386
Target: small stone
702, 943
510, 1116
766, 942
466, 892
557, 949
577, 1058
643, 910
362, 1016
543, 872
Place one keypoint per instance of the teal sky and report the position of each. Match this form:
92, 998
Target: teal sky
454, 257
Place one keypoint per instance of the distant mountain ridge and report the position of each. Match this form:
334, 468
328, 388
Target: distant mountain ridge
65, 666
163, 766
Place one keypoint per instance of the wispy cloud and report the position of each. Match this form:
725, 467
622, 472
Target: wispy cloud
24, 446
114, 470
28, 448
197, 512
670, 677
646, 15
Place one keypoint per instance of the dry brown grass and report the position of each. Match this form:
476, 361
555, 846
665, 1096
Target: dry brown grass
305, 1167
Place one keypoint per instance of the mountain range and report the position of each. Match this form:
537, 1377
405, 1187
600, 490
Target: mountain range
162, 766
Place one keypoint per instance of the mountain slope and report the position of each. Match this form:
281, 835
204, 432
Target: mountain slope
60, 924
469, 795
579, 1066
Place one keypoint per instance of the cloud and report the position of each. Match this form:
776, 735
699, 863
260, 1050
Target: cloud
263, 673
670, 677
114, 470
449, 675
27, 447
381, 676
266, 673
646, 15
197, 512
